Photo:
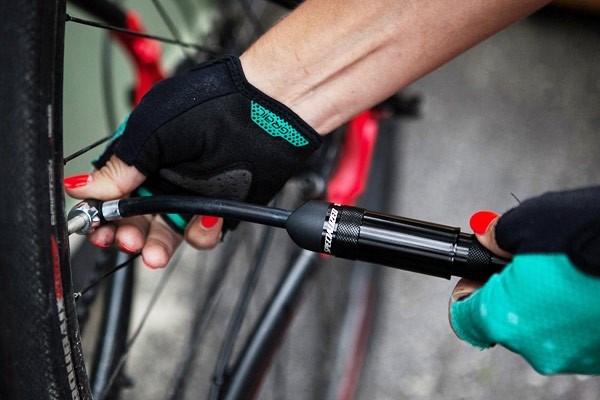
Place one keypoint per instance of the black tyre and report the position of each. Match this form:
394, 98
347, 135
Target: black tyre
39, 343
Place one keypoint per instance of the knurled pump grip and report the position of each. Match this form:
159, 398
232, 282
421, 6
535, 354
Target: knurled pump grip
358, 234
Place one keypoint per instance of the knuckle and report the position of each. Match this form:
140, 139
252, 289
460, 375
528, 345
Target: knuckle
117, 178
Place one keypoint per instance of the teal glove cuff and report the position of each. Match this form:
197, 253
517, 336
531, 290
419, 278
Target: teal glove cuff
558, 338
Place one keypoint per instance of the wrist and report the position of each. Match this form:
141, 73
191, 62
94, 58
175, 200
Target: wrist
283, 83
330, 60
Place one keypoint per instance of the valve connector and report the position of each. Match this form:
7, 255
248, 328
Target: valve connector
83, 218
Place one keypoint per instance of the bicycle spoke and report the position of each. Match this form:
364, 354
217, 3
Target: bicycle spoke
159, 289
205, 49
239, 313
170, 25
85, 149
207, 305
77, 295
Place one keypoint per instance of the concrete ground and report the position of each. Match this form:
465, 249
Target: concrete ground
519, 114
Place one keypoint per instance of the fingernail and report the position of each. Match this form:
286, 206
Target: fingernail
208, 221
127, 249
481, 220
76, 181
101, 245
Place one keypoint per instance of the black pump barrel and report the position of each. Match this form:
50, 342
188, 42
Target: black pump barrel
342, 231
358, 234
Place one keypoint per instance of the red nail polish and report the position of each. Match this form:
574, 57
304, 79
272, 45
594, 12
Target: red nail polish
125, 248
208, 221
481, 220
76, 181
101, 245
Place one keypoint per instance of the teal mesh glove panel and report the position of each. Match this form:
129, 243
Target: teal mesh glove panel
541, 307
546, 304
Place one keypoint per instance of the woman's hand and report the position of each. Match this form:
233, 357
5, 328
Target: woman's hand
207, 133
149, 234
545, 305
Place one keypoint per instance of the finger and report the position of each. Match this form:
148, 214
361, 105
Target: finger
131, 233
161, 243
103, 236
483, 224
204, 232
113, 181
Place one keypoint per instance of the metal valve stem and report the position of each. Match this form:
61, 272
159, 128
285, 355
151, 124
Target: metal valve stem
83, 218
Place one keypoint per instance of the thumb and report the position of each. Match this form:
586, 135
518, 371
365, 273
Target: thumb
113, 181
469, 317
467, 311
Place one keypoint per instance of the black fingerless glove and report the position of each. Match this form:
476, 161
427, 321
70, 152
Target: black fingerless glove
554, 223
209, 132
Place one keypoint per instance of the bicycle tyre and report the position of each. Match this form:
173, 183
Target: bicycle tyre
39, 342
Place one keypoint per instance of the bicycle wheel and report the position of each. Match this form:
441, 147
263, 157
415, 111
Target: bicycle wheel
40, 341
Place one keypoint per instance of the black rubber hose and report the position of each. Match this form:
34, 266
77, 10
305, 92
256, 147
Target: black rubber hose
204, 206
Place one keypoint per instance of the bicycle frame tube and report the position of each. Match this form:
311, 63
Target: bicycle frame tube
350, 178
145, 56
260, 349
346, 185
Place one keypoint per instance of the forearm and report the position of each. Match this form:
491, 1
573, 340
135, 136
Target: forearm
331, 59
